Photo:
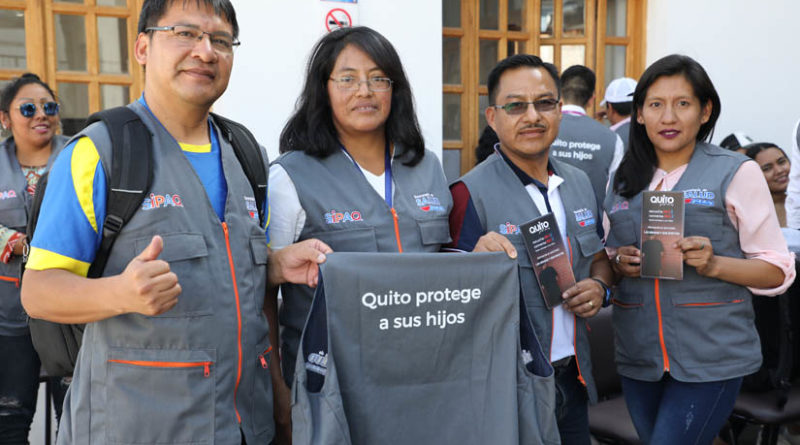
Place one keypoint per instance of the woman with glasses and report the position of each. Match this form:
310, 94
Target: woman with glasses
683, 346
354, 171
29, 115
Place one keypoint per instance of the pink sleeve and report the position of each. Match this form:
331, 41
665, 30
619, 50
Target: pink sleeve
750, 208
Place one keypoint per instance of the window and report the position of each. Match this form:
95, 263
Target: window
605, 35
81, 48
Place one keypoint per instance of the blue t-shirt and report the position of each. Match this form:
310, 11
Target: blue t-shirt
70, 225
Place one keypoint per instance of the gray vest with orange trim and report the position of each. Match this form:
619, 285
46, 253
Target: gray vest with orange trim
196, 373
503, 204
699, 329
344, 211
15, 202
587, 144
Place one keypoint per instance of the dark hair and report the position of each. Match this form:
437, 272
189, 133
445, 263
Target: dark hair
577, 83
518, 61
311, 130
153, 10
639, 163
622, 108
753, 150
10, 91
486, 144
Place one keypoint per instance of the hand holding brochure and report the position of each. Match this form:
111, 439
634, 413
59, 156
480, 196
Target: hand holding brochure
549, 257
662, 226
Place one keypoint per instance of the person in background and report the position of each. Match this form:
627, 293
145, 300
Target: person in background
735, 141
617, 102
683, 346
775, 166
793, 190
582, 141
29, 114
486, 144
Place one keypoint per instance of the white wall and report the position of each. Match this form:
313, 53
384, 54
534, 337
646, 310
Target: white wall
277, 37
750, 52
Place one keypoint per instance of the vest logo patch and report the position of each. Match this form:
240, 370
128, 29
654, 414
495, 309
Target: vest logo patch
699, 197
428, 202
158, 201
317, 362
508, 229
334, 217
584, 217
619, 206
7, 194
250, 205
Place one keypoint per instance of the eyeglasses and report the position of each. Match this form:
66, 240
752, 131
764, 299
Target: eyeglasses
187, 35
350, 83
541, 106
28, 109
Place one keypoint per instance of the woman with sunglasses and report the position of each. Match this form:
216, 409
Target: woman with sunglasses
683, 346
29, 115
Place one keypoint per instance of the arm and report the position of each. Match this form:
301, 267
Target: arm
768, 266
146, 286
466, 230
585, 298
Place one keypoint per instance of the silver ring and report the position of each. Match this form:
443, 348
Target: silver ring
616, 260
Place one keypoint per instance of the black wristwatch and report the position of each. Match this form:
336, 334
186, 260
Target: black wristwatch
607, 296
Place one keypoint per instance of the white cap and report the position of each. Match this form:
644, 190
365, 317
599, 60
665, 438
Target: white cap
619, 90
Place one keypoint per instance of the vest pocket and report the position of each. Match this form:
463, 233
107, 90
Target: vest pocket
434, 231
262, 392
714, 329
589, 242
349, 240
622, 232
634, 345
187, 256
160, 396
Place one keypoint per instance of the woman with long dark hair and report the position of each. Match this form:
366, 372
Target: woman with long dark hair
354, 172
29, 115
775, 165
683, 346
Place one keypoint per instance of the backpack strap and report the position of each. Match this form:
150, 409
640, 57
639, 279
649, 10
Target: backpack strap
130, 177
249, 154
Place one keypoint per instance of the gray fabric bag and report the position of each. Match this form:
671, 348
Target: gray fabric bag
421, 348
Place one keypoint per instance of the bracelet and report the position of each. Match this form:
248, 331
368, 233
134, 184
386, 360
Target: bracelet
607, 296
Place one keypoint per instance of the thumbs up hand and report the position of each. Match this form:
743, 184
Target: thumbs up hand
147, 285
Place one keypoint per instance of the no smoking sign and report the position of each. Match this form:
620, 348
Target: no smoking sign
338, 18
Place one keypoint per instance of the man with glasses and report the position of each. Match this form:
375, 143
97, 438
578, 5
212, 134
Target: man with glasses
175, 348
518, 183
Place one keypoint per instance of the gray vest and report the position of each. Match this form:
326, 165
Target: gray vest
708, 326
624, 133
197, 373
587, 144
344, 211
15, 202
421, 367
503, 204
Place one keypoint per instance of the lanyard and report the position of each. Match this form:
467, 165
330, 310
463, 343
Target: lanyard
387, 169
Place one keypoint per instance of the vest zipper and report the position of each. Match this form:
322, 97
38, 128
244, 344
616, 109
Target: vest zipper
664, 355
154, 364
238, 320
396, 230
262, 359
11, 280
